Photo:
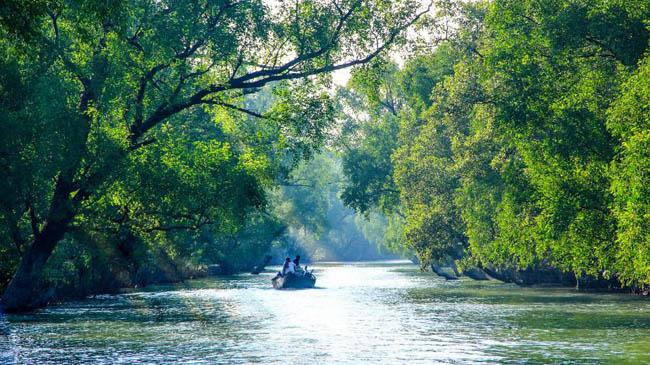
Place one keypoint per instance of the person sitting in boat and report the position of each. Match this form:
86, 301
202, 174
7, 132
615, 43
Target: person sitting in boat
285, 267
288, 267
299, 270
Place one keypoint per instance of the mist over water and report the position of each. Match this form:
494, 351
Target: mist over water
360, 313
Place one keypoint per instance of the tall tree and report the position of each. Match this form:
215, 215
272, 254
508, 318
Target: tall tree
91, 85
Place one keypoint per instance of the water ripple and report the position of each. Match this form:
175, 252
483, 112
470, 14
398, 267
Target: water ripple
361, 313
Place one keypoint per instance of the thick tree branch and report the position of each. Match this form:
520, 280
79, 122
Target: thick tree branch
235, 107
139, 100
33, 220
260, 78
143, 143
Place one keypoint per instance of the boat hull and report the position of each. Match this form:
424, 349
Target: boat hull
294, 281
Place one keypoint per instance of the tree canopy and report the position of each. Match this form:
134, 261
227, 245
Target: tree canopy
520, 140
507, 135
136, 115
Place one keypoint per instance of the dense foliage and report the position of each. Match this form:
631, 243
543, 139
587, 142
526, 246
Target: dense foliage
141, 140
522, 140
127, 124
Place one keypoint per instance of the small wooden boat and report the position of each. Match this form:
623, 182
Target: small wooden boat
296, 281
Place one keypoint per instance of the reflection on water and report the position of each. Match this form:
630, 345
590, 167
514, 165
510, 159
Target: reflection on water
366, 312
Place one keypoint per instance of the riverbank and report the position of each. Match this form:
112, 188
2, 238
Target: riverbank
123, 282
547, 277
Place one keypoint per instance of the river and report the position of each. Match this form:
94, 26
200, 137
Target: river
387, 312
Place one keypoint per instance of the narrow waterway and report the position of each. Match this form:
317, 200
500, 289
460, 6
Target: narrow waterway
360, 313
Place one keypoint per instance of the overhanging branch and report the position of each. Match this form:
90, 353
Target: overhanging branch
235, 107
257, 79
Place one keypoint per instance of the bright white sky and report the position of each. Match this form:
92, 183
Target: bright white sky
341, 77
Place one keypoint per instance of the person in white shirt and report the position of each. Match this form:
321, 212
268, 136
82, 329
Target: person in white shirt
288, 267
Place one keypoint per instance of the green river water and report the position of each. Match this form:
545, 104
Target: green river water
386, 312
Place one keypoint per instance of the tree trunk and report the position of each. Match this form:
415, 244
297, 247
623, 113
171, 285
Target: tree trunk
21, 293
440, 272
475, 273
454, 268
